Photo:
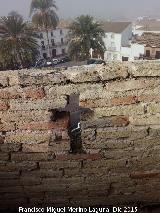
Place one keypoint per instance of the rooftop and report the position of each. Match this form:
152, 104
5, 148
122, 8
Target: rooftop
149, 39
115, 27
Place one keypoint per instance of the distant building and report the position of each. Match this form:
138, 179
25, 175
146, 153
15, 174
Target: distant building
58, 42
118, 42
146, 25
151, 42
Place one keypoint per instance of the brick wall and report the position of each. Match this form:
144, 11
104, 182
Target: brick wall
121, 136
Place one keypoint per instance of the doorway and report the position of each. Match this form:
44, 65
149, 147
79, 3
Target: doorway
54, 53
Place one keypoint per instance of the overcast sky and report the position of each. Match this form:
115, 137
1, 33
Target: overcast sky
99, 8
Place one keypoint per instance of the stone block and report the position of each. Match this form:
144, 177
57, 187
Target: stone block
29, 137
10, 147
18, 157
27, 105
128, 110
34, 93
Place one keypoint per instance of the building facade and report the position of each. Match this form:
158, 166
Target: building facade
58, 43
118, 42
151, 42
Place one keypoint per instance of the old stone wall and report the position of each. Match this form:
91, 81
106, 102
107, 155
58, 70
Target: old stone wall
121, 136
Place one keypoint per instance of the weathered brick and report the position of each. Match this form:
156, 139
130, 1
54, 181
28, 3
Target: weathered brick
132, 133
110, 71
42, 104
23, 166
153, 108
27, 116
4, 156
10, 147
132, 84
59, 147
10, 182
29, 156
46, 188
59, 164
7, 127
144, 143
40, 77
137, 109
113, 121
1, 139
145, 69
30, 181
154, 132
27, 137
61, 181
72, 172
12, 190
94, 103
124, 100
113, 143
82, 74
43, 147
145, 174
89, 135
61, 124
3, 105
145, 120
44, 173
92, 91
9, 175
3, 81
64, 157
34, 93
11, 93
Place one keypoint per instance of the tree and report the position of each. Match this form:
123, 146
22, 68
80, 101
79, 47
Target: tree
18, 46
44, 16
85, 33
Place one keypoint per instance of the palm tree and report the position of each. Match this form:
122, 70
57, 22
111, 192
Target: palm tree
85, 34
44, 16
18, 46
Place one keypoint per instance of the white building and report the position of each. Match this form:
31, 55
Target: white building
58, 43
118, 42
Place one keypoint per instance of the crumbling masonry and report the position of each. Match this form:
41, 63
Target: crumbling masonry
121, 137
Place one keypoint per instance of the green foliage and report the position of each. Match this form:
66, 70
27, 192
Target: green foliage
18, 46
43, 14
84, 34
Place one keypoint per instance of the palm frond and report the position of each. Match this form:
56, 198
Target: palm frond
18, 45
85, 33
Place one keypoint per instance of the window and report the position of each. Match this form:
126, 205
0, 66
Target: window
62, 42
63, 51
148, 53
112, 35
61, 32
112, 44
115, 57
45, 55
157, 56
52, 41
41, 35
43, 47
54, 53
51, 34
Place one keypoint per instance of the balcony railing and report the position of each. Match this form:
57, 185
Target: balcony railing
53, 45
